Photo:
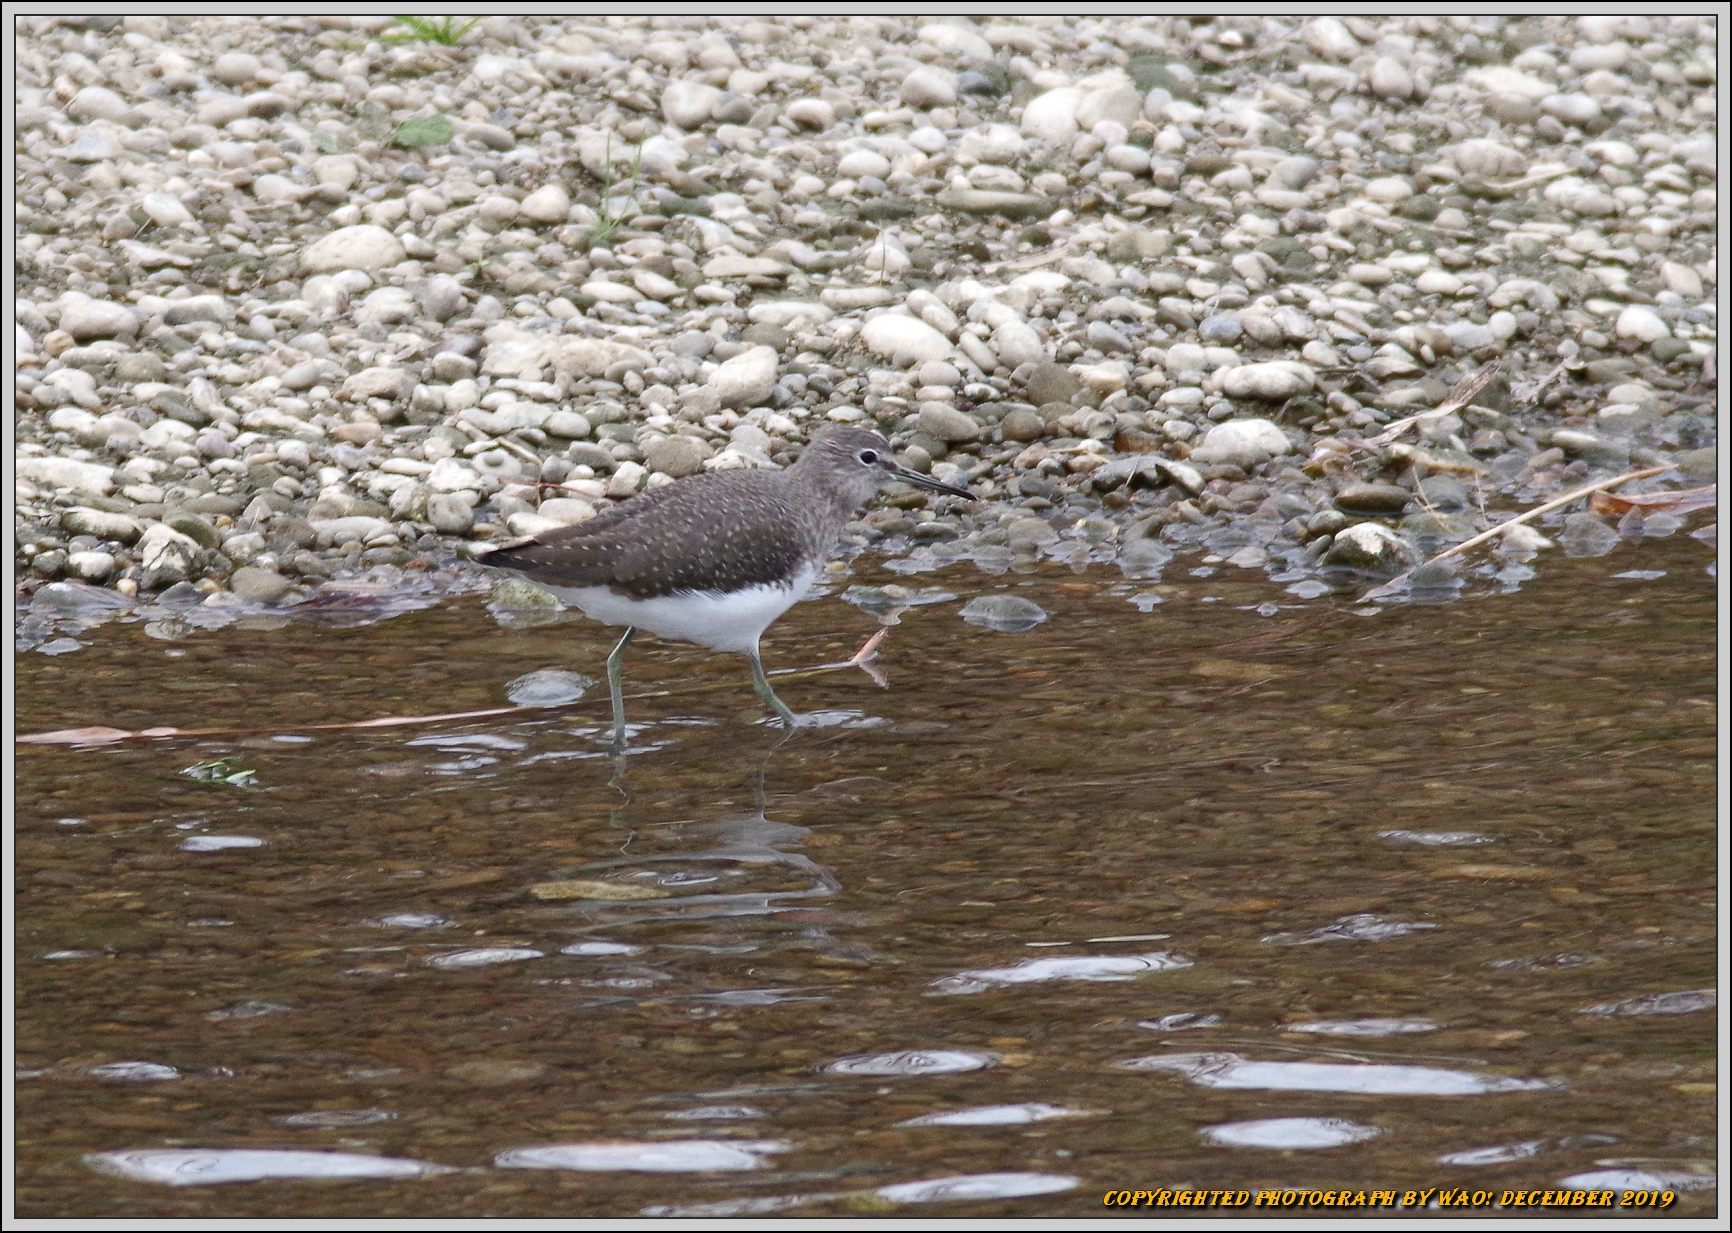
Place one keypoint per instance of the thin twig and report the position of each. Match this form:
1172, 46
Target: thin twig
1463, 394
1533, 395
861, 659
1378, 592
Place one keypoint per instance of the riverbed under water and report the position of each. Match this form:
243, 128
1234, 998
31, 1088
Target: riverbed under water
1220, 891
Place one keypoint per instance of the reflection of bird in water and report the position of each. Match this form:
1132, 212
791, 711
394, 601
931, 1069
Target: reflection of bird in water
745, 849
745, 840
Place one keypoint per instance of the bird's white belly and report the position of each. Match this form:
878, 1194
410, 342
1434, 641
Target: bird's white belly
720, 620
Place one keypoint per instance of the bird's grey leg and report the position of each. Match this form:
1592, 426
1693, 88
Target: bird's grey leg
761, 683
614, 662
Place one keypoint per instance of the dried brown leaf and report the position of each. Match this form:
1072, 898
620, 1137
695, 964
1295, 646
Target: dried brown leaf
1679, 501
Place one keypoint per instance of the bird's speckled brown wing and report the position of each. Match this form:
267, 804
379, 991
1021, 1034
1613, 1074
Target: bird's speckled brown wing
663, 541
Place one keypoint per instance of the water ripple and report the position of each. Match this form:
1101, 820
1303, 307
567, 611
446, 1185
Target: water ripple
481, 957
199, 1166
912, 1062
668, 1156
1077, 967
995, 1115
978, 1186
1230, 1071
1683, 1002
1361, 927
1290, 1133
1362, 1027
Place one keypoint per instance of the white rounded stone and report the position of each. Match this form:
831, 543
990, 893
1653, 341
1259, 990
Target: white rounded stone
1052, 117
1642, 324
689, 104
97, 103
929, 86
365, 246
904, 340
548, 204
85, 318
1329, 37
1389, 78
1244, 443
859, 163
746, 380
1017, 342
1272, 381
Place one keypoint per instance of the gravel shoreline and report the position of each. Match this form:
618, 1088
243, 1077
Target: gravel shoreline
298, 305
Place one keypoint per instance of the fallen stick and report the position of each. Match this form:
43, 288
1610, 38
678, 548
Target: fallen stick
1463, 393
98, 735
1377, 592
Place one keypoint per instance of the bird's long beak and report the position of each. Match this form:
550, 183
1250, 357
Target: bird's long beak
926, 481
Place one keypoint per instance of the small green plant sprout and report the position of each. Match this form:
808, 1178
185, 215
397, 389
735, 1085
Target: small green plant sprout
222, 771
442, 30
423, 131
609, 215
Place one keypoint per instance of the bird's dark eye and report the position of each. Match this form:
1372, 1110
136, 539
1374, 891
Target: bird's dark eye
868, 456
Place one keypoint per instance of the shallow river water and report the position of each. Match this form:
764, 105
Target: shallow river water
1220, 891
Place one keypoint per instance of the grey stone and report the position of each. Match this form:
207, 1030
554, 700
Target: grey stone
116, 528
1700, 464
451, 513
1022, 425
166, 556
93, 145
1049, 383
1010, 614
565, 511
72, 597
1030, 533
1144, 557
194, 528
1222, 328
193, 308
1587, 535
262, 586
997, 202
678, 456
1366, 498
947, 423
591, 357
1371, 547
441, 298
571, 425
987, 81
344, 530
1444, 492
379, 382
